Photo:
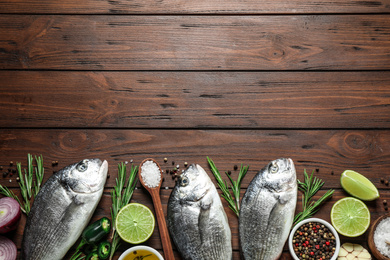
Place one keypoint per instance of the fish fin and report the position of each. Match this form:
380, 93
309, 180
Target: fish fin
203, 222
283, 198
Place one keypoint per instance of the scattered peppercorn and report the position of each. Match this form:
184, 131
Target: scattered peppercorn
185, 164
235, 167
1, 168
332, 173
173, 162
382, 180
165, 159
17, 179
317, 170
386, 208
5, 174
229, 172
314, 241
11, 163
384, 202
167, 171
386, 182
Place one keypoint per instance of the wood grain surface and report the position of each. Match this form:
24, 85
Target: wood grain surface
243, 82
195, 99
193, 7
93, 42
366, 151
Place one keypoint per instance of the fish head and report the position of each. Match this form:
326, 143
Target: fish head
280, 174
193, 183
86, 176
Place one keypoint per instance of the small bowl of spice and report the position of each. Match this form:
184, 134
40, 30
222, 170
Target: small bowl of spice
379, 238
314, 238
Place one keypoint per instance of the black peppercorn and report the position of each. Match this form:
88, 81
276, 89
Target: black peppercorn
314, 241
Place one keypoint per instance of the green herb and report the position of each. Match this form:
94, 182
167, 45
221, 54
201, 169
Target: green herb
39, 173
121, 195
28, 187
232, 200
77, 256
310, 187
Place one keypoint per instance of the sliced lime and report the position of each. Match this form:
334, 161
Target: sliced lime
350, 217
358, 185
135, 223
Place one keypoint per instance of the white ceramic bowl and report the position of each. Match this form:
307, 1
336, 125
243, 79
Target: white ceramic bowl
135, 248
328, 225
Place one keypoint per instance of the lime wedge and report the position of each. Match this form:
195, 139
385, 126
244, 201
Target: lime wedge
350, 217
358, 186
135, 223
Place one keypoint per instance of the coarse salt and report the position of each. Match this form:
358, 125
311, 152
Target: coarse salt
382, 235
150, 174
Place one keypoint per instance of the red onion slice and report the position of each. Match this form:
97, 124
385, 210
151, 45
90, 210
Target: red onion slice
8, 250
9, 214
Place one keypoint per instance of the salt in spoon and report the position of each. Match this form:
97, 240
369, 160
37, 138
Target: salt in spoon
154, 189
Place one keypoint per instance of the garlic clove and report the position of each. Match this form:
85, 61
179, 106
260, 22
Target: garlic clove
349, 251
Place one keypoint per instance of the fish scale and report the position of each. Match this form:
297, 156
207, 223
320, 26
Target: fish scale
196, 218
62, 209
267, 211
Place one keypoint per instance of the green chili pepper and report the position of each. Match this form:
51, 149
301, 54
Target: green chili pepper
92, 256
97, 230
104, 249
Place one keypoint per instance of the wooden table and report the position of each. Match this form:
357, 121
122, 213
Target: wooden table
239, 81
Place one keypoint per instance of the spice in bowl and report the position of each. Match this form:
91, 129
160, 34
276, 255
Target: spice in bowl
382, 237
314, 239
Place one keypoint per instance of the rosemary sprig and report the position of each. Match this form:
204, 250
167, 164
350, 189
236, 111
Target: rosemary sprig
310, 187
121, 195
232, 200
39, 173
28, 188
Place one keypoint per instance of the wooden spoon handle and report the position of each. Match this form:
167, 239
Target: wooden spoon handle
162, 226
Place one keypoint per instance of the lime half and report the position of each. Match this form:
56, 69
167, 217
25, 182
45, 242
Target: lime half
135, 223
350, 217
358, 186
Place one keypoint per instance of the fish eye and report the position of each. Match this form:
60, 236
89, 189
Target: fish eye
184, 181
82, 166
274, 168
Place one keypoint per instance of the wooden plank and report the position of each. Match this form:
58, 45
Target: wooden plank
329, 151
195, 99
191, 7
141, 196
310, 42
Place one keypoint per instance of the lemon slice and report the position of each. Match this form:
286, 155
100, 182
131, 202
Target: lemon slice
350, 217
135, 223
358, 186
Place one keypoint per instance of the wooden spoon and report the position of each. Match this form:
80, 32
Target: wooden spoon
155, 193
